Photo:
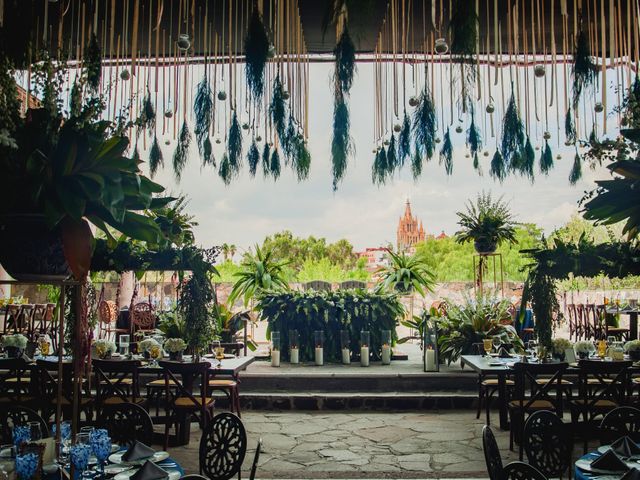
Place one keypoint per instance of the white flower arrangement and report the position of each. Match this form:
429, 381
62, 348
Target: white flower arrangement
147, 344
583, 347
104, 347
632, 346
16, 340
175, 345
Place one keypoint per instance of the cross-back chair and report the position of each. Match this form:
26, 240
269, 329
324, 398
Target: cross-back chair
126, 423
15, 382
12, 415
116, 381
620, 422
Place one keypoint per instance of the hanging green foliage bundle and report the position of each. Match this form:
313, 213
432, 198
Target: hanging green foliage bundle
528, 160
234, 144
497, 169
512, 143
93, 63
464, 31
253, 158
476, 164
576, 170
266, 160
275, 164
379, 167
225, 172
345, 64
424, 125
404, 141
207, 153
546, 159
300, 158
155, 157
203, 112
584, 71
446, 153
569, 128
182, 150
474, 139
256, 51
392, 156
277, 109
290, 137
75, 99
341, 144
147, 119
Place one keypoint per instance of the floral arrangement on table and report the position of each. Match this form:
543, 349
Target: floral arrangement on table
16, 340
147, 344
175, 347
104, 348
583, 349
26, 465
558, 347
632, 349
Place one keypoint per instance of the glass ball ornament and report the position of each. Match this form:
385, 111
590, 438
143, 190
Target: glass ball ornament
397, 127
222, 95
125, 75
546, 135
539, 71
413, 101
598, 107
184, 42
441, 46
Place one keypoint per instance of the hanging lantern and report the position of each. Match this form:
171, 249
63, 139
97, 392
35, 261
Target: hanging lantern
397, 127
168, 113
441, 46
183, 41
437, 139
413, 101
125, 75
245, 126
546, 135
598, 107
222, 95
285, 95
430, 346
459, 129
258, 138
539, 71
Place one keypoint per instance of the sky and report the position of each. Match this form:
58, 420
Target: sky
246, 211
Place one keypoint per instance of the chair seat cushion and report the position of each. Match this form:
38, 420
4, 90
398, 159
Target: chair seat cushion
617, 330
597, 404
115, 400
544, 381
595, 381
160, 383
223, 383
24, 379
535, 405
186, 402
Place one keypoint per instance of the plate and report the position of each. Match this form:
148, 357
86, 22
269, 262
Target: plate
604, 448
496, 364
173, 474
585, 465
156, 457
116, 469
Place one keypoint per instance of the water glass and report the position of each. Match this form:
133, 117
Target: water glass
124, 344
21, 434
26, 465
80, 456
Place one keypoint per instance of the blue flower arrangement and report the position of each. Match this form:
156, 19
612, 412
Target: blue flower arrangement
26, 465
21, 434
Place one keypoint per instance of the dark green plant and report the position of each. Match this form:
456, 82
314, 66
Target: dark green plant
513, 137
182, 150
416, 165
256, 51
92, 64
341, 142
546, 159
175, 224
203, 111
266, 159
584, 71
404, 141
172, 324
253, 158
487, 221
234, 145
528, 160
446, 153
274, 165
227, 323
277, 109
405, 274
301, 159
576, 170
474, 139
155, 157
463, 26
425, 125
497, 168
345, 64
392, 156
224, 171
379, 168
569, 128
147, 118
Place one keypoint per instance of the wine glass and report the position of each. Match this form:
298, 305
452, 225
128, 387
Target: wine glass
35, 431
80, 452
487, 345
43, 345
532, 348
101, 447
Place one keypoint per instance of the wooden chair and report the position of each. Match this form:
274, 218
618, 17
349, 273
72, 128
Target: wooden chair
318, 286
181, 401
530, 396
126, 423
607, 330
47, 383
107, 320
571, 316
619, 422
116, 382
581, 327
223, 447
11, 319
548, 444
488, 387
522, 471
592, 322
142, 318
15, 382
38, 319
353, 284
12, 415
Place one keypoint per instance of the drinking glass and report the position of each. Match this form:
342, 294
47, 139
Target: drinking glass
532, 348
487, 345
26, 465
155, 352
43, 345
124, 344
101, 447
80, 452
35, 431
497, 341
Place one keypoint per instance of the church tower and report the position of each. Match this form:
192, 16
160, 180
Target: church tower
410, 231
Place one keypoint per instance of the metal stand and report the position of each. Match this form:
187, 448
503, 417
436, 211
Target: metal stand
480, 263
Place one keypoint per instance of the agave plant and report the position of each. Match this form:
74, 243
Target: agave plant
405, 273
488, 223
259, 273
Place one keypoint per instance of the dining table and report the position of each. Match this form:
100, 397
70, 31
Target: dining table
632, 313
584, 471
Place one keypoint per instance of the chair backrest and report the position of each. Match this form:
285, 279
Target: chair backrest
142, 316
48, 384
107, 312
222, 447
111, 376
12, 415
11, 314
256, 459
351, 284
13, 368
39, 310
522, 471
619, 422
527, 388
126, 423
547, 443
609, 381
492, 454
175, 372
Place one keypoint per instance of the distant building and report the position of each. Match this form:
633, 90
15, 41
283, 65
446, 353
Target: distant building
442, 236
376, 258
410, 231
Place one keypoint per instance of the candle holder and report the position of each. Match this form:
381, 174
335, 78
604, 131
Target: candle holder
275, 349
345, 347
319, 350
430, 352
364, 348
124, 344
294, 346
386, 347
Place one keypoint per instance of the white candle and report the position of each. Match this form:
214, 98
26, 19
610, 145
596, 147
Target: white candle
386, 354
294, 355
431, 360
275, 358
319, 356
364, 356
346, 356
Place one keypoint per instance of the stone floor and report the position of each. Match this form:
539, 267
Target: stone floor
430, 444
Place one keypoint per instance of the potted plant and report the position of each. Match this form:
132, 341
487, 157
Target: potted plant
487, 223
146, 345
175, 347
583, 349
558, 347
405, 273
172, 324
632, 349
14, 344
227, 324
104, 348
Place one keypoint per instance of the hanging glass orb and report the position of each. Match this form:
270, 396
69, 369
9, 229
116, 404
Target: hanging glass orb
374, 151
537, 148
486, 153
397, 127
413, 101
546, 135
167, 142
386, 142
459, 129
558, 157
222, 95
258, 138
168, 113
285, 95
271, 53
184, 42
437, 139
598, 107
490, 108
245, 126
441, 46
271, 144
125, 75
218, 141
467, 155
568, 143
539, 71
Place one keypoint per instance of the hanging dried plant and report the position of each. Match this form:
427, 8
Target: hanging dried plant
93, 64
203, 112
291, 135
584, 71
576, 171
207, 153
497, 169
425, 125
569, 128
256, 51
181, 151
148, 114
275, 164
301, 159
593, 137
404, 140
476, 164
528, 160
341, 144
546, 159
225, 172
234, 144
474, 139
345, 54
75, 99
277, 110
464, 31
155, 157
253, 158
416, 165
512, 144
266, 159
392, 156
446, 153
379, 167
